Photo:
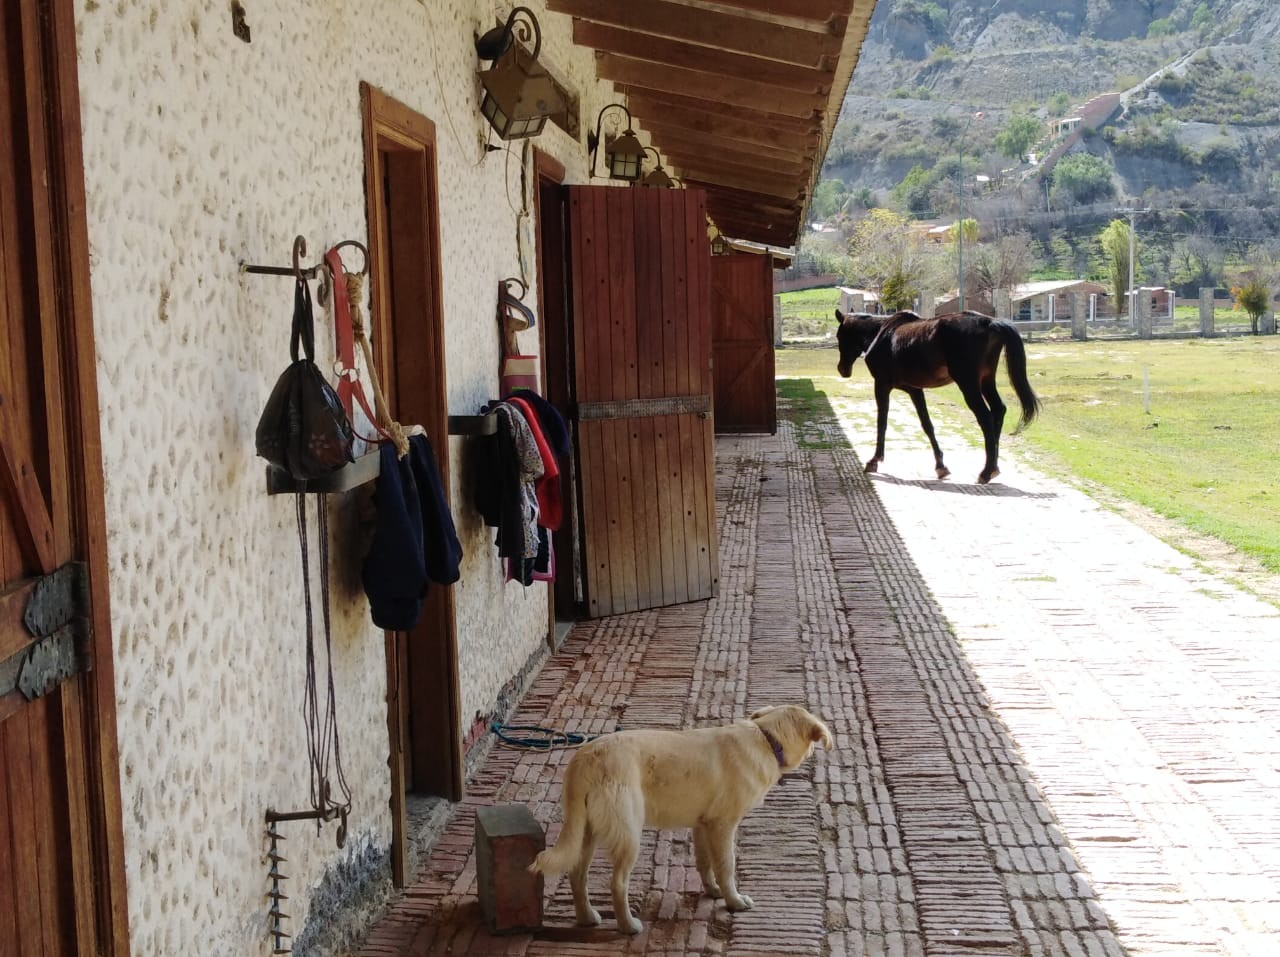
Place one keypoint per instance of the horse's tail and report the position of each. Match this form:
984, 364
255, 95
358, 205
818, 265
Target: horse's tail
1017, 361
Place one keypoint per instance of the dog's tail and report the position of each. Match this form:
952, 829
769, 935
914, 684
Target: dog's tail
561, 857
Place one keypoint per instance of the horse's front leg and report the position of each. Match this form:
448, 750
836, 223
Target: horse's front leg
922, 410
882, 422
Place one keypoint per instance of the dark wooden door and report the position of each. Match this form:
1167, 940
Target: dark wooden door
642, 374
742, 337
61, 869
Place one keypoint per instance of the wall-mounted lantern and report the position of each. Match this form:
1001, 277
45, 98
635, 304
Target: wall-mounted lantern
719, 245
657, 177
622, 154
519, 95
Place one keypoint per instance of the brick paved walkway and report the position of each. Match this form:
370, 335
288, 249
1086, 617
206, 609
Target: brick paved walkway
1067, 747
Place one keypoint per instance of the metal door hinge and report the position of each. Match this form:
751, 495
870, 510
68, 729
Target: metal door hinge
57, 617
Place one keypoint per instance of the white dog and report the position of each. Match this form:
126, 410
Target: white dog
706, 779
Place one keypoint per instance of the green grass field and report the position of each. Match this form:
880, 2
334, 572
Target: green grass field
809, 313
1206, 454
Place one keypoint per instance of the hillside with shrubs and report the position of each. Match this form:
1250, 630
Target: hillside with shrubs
975, 106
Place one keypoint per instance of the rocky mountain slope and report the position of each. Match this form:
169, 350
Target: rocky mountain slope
1200, 78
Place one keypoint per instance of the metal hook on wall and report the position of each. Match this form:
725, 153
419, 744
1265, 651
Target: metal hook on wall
300, 272
364, 252
299, 250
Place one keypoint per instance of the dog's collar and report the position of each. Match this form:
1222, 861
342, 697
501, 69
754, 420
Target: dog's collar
776, 745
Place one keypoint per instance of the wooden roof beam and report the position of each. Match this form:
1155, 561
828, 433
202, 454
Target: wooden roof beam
675, 138
708, 174
743, 198
696, 111
827, 12
640, 46
711, 28
743, 166
729, 91
767, 233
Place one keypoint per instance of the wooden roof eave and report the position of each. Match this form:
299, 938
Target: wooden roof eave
739, 96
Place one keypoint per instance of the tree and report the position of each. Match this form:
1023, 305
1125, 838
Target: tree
1198, 262
1253, 297
1081, 178
1115, 249
1017, 136
1260, 275
1002, 264
828, 197
887, 255
915, 192
970, 228
945, 127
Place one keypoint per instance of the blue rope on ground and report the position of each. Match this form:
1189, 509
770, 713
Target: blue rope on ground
536, 737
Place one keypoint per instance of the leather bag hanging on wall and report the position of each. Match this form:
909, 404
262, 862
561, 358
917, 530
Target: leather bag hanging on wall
303, 429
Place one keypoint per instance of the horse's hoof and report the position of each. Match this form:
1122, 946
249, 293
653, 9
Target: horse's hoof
872, 466
984, 478
943, 472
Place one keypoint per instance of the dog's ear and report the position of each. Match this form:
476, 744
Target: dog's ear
820, 732
761, 712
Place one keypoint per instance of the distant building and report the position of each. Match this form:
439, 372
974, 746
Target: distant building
1094, 113
1050, 301
1047, 301
859, 300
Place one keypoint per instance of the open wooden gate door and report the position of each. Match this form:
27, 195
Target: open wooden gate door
642, 370
62, 887
742, 337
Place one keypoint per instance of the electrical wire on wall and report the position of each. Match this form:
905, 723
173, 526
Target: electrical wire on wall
524, 220
444, 96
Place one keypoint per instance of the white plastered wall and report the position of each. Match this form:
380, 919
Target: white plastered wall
202, 151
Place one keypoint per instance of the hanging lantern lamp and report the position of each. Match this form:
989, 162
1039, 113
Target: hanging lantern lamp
657, 177
519, 95
623, 154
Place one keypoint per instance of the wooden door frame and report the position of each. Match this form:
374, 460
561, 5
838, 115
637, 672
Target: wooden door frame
390, 126
53, 96
763, 340
549, 171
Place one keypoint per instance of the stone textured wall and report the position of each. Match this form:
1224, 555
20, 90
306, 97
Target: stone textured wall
202, 151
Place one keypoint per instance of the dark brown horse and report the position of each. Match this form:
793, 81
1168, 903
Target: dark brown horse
906, 352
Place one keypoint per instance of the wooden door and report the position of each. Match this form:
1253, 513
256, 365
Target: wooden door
742, 338
642, 376
61, 861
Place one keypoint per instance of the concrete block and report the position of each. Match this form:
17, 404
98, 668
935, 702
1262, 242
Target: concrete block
507, 840
1206, 312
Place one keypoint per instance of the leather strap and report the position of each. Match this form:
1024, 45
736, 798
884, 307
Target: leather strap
776, 745
349, 384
